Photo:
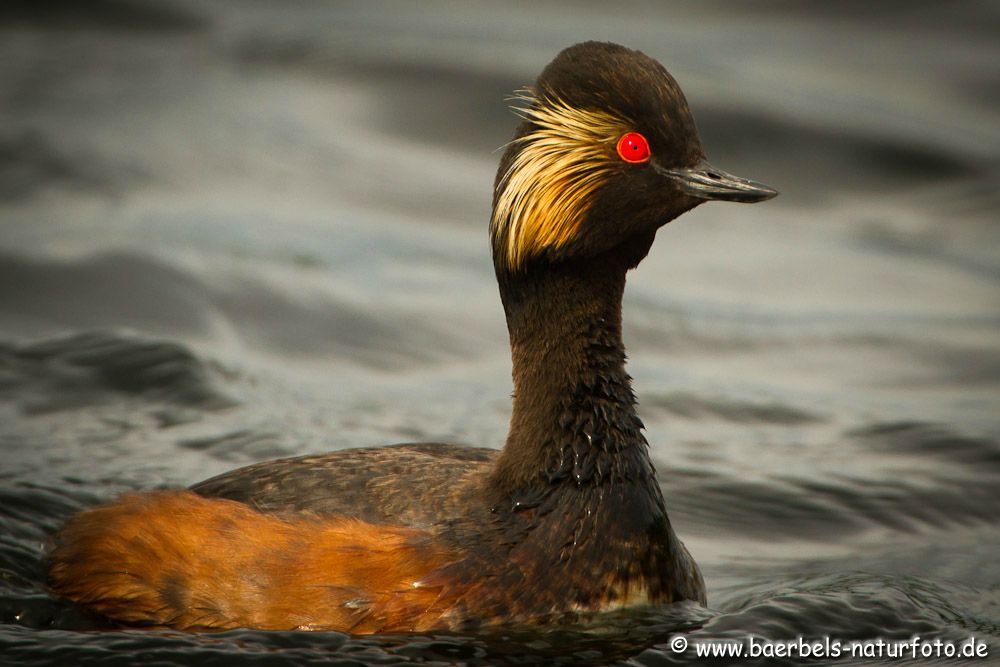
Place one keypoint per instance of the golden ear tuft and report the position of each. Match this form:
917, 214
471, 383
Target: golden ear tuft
543, 196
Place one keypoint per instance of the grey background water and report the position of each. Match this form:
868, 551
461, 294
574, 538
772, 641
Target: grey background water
232, 231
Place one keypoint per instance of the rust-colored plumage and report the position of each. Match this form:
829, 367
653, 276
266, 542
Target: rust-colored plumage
174, 558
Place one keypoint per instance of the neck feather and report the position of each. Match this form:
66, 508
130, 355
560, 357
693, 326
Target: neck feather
574, 418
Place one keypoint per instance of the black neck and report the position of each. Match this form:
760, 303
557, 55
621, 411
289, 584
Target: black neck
574, 418
573, 494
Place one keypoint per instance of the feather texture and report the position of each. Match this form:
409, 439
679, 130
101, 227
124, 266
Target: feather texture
543, 197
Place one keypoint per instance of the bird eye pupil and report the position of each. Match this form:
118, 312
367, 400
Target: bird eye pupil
633, 148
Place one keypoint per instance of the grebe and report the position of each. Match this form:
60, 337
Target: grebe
566, 520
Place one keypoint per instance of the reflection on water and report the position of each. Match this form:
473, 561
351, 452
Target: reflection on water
238, 231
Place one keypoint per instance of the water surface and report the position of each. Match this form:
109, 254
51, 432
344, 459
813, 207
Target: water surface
238, 231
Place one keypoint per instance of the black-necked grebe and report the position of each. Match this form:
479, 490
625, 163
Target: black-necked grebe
567, 519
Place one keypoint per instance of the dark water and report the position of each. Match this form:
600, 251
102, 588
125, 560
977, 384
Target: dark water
237, 231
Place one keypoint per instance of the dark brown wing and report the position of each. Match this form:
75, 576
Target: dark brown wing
409, 484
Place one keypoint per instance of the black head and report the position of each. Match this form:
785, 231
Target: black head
608, 152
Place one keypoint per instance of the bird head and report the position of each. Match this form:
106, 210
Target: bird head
607, 153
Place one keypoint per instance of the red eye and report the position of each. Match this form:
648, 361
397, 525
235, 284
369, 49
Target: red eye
633, 147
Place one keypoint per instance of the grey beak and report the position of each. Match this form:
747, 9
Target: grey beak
706, 182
